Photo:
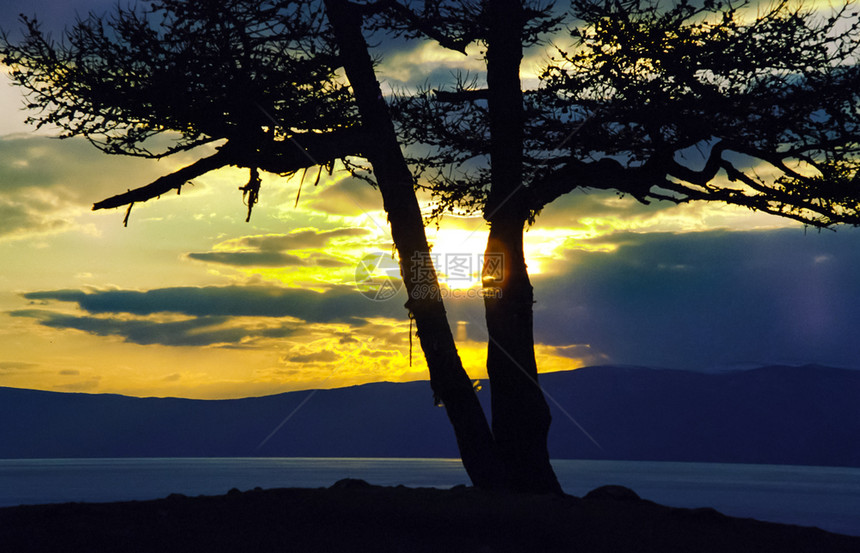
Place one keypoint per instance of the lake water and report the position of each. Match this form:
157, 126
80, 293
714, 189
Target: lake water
826, 497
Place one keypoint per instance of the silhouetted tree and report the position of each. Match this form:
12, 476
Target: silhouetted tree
492, 128
676, 103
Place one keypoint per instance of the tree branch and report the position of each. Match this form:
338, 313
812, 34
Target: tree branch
419, 23
282, 156
457, 96
708, 172
609, 174
166, 183
305, 150
604, 174
758, 202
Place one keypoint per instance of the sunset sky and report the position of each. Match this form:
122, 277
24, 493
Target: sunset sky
191, 301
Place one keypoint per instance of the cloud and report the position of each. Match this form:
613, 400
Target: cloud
56, 295
270, 250
328, 262
336, 304
425, 62
17, 217
296, 240
315, 357
232, 316
69, 372
699, 300
199, 331
16, 366
33, 164
348, 196
82, 386
587, 214
45, 183
249, 259
691, 300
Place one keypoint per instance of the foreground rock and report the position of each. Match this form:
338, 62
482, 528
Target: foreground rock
355, 516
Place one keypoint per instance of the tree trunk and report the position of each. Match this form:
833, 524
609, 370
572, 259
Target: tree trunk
521, 416
448, 379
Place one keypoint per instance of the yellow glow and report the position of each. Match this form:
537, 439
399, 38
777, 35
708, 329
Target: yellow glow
458, 254
549, 358
316, 356
544, 249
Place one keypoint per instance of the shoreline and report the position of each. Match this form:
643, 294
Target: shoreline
353, 515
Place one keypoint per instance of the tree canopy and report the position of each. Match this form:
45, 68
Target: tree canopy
253, 77
683, 103
202, 71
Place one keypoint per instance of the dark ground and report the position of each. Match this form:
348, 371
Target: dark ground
354, 516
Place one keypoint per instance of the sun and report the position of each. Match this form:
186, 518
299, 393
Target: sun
459, 253
458, 256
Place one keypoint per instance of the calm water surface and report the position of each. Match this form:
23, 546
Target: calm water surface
813, 496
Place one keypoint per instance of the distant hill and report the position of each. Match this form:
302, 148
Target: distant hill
806, 415
777, 415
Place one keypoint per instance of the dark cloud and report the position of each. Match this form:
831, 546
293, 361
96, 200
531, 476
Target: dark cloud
337, 304
55, 295
200, 331
708, 299
249, 259
323, 261
69, 372
277, 332
298, 240
213, 310
316, 357
266, 259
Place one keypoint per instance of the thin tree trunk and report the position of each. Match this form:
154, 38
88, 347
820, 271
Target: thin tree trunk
448, 379
521, 416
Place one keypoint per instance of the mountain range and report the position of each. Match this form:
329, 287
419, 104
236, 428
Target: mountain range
807, 415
